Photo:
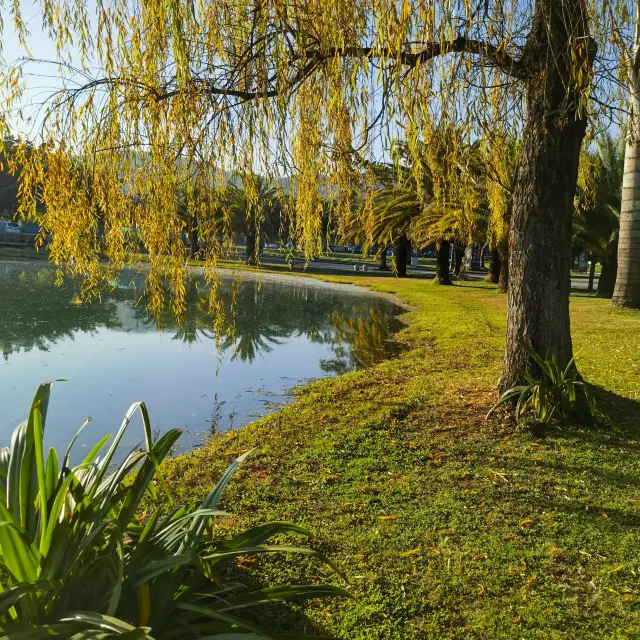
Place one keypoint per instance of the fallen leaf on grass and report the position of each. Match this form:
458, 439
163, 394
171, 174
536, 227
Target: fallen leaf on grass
616, 569
525, 523
387, 517
413, 552
481, 591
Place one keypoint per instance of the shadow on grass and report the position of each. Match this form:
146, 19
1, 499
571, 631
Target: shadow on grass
623, 412
286, 619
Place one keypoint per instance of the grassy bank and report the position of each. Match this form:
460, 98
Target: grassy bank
449, 525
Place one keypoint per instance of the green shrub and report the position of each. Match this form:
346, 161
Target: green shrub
77, 562
551, 397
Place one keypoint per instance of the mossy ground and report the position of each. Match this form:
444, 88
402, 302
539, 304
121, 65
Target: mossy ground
449, 525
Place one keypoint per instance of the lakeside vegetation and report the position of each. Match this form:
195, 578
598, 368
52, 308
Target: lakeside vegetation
448, 524
174, 129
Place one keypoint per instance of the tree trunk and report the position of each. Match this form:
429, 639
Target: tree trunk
194, 243
627, 287
503, 277
383, 260
458, 252
401, 249
592, 272
443, 275
250, 238
607, 279
494, 266
544, 189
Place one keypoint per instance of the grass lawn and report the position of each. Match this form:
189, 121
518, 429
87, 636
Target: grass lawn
448, 525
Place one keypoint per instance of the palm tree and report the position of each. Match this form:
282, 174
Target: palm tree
394, 209
596, 225
250, 206
444, 205
627, 287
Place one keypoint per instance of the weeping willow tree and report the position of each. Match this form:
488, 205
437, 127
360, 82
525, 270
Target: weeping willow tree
160, 97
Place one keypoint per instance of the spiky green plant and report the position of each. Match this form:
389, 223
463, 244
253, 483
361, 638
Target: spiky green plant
77, 561
552, 396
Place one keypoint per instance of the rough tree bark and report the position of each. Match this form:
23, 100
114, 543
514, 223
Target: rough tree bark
544, 189
443, 275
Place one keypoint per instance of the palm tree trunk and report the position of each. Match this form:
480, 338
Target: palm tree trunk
401, 249
383, 260
503, 277
627, 287
250, 237
494, 266
592, 272
194, 243
607, 279
458, 251
443, 275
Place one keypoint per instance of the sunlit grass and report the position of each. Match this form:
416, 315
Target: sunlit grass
451, 525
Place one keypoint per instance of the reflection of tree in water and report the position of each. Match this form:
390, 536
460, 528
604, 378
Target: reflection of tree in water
361, 342
195, 321
257, 317
260, 316
36, 312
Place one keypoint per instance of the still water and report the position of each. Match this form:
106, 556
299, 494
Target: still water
113, 352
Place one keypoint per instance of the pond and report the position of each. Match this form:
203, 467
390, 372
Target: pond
112, 351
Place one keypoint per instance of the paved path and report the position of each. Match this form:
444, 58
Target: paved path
579, 283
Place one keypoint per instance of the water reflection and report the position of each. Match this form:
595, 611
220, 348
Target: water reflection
35, 313
259, 315
361, 342
113, 351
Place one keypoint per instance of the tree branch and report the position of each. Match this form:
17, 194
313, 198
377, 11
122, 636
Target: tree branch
492, 55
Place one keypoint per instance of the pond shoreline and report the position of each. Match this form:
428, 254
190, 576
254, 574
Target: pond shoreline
431, 508
315, 329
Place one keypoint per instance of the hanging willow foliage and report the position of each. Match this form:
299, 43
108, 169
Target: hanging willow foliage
160, 98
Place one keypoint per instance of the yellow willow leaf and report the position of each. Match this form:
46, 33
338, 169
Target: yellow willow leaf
413, 552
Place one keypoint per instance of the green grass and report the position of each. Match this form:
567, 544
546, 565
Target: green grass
450, 525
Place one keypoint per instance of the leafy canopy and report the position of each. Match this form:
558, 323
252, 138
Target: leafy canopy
160, 98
